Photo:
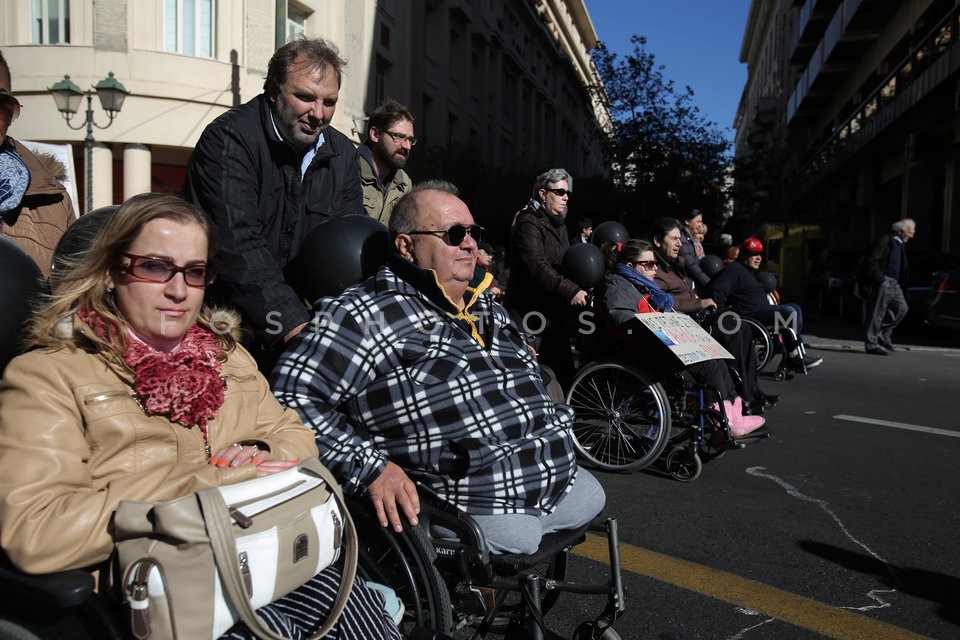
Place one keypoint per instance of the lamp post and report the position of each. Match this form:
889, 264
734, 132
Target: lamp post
67, 95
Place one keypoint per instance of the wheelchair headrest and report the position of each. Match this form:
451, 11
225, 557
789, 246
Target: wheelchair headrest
20, 287
711, 265
768, 279
341, 252
76, 240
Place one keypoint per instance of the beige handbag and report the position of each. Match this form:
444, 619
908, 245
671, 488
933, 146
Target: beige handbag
192, 567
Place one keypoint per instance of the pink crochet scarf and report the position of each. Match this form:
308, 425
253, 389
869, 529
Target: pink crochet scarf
185, 385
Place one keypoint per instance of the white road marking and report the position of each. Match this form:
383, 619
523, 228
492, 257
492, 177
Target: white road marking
899, 425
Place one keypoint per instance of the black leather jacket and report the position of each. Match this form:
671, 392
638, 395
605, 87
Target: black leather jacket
248, 181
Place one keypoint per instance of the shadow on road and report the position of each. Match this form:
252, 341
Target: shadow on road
933, 586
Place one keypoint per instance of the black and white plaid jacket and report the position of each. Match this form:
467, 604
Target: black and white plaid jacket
392, 369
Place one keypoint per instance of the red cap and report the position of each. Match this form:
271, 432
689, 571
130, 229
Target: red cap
752, 245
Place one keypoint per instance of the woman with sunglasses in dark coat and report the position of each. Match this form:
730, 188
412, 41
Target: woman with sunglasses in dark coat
629, 288
540, 299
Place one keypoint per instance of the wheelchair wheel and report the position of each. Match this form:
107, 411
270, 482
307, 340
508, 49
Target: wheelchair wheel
762, 343
683, 464
590, 631
406, 563
622, 417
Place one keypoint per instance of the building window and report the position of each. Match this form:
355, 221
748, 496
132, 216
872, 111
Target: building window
291, 22
51, 21
380, 73
188, 27
296, 23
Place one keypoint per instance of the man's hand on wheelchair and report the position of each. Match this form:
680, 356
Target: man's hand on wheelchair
392, 492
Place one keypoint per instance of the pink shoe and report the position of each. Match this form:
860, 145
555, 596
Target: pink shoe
741, 425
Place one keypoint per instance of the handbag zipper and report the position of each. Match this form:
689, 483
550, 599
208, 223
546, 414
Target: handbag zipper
245, 521
245, 572
337, 534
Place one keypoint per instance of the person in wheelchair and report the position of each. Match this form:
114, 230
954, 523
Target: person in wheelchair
735, 336
736, 287
628, 288
135, 390
408, 378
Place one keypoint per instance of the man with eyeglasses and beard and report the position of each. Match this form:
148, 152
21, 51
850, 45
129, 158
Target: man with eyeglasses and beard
268, 172
382, 158
541, 300
412, 376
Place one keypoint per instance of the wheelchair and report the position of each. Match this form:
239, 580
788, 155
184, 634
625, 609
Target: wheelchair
449, 581
769, 342
625, 420
627, 417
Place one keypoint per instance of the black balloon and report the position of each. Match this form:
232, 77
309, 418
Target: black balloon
711, 265
768, 279
583, 263
341, 252
20, 285
609, 231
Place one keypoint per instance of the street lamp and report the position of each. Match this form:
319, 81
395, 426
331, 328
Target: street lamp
67, 95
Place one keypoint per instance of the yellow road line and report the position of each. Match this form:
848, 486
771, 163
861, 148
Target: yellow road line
843, 624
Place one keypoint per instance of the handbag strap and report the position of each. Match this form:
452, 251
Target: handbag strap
219, 528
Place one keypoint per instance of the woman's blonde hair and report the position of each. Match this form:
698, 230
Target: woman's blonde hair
82, 284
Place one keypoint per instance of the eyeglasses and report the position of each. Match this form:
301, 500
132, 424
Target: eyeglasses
158, 270
401, 137
455, 234
10, 104
649, 265
560, 192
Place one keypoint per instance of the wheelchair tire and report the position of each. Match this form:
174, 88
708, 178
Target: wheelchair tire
622, 417
590, 631
10, 630
763, 346
682, 464
405, 562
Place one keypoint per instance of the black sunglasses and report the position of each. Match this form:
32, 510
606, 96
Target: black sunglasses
10, 104
560, 192
158, 270
455, 234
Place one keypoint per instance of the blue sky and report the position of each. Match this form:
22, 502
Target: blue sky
697, 41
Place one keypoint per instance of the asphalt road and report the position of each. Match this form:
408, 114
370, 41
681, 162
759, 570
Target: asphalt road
843, 524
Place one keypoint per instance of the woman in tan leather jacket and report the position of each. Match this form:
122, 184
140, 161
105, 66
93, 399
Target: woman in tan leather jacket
137, 391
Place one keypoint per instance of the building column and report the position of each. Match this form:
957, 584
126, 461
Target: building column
102, 165
137, 162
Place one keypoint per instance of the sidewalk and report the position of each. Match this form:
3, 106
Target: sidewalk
826, 331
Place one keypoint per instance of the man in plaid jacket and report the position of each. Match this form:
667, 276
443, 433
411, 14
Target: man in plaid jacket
410, 378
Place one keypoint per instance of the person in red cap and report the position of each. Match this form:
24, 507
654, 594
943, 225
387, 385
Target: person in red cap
737, 287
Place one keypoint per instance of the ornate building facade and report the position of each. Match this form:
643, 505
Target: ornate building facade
509, 78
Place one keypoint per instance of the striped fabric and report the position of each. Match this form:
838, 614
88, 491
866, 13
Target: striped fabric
300, 613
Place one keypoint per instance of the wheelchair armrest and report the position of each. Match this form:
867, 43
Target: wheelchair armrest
434, 511
63, 589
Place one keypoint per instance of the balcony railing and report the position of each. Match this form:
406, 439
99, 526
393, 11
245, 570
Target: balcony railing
869, 116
